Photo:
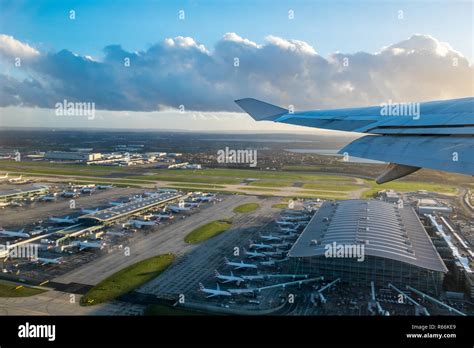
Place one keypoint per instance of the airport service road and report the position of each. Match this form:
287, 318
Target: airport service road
58, 303
18, 217
198, 265
165, 239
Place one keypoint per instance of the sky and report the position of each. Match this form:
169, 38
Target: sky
311, 54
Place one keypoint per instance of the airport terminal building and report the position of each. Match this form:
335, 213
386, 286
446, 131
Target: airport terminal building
360, 241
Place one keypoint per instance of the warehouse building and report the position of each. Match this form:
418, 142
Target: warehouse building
360, 241
72, 156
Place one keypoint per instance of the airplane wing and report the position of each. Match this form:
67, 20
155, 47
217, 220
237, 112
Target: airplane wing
438, 135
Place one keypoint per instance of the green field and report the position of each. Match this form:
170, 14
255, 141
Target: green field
213, 180
127, 279
272, 183
12, 290
207, 231
408, 186
257, 189
246, 208
331, 187
280, 206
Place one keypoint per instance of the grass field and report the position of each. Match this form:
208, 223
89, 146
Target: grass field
212, 180
337, 186
408, 186
246, 208
12, 290
280, 206
127, 279
207, 231
257, 189
272, 183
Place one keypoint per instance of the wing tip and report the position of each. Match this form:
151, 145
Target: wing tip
260, 110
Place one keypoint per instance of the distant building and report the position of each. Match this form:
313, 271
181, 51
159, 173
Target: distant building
390, 196
72, 156
392, 240
431, 206
154, 155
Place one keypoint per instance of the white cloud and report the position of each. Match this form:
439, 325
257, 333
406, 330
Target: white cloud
12, 48
292, 45
181, 71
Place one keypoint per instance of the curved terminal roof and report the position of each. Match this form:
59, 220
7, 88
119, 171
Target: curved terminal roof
384, 229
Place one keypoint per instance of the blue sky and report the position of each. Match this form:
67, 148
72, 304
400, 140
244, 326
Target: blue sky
425, 55
329, 26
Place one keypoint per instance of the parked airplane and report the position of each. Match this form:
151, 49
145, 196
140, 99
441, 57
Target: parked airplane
49, 198
66, 220
70, 194
19, 233
140, 223
88, 245
270, 238
286, 223
104, 187
434, 131
254, 277
288, 230
295, 218
191, 204
46, 260
254, 254
12, 180
206, 198
213, 292
228, 278
163, 216
261, 246
242, 291
88, 189
4, 204
239, 265
177, 209
89, 211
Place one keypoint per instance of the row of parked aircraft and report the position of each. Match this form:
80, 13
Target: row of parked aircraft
272, 249
12, 180
74, 192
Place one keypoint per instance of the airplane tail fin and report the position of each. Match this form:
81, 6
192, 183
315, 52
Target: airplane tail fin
259, 110
216, 273
226, 259
201, 287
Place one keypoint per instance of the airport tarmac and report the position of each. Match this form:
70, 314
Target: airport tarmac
165, 239
59, 303
185, 274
